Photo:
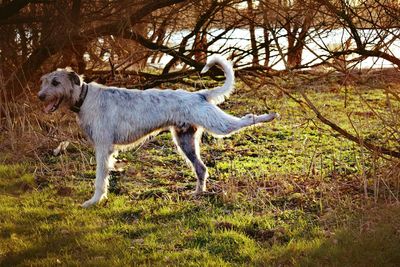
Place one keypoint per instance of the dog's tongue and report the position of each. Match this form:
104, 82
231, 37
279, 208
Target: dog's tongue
50, 106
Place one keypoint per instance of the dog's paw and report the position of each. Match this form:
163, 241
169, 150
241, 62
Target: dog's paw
93, 201
200, 189
276, 115
269, 117
88, 203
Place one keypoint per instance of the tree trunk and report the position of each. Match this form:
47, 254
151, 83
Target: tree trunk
200, 47
294, 56
267, 41
296, 40
253, 41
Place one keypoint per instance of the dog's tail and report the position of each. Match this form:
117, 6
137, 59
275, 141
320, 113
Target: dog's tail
219, 94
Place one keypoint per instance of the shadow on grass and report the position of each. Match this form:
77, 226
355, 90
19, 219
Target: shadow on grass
49, 245
372, 239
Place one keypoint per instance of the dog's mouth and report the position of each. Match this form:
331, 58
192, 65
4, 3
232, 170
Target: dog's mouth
53, 105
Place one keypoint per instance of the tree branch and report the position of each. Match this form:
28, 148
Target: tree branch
349, 136
15, 84
12, 8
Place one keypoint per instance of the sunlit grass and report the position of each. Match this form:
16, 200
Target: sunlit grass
291, 192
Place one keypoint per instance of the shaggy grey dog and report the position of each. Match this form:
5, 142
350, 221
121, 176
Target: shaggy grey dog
117, 118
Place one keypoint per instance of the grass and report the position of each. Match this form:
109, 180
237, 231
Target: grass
290, 193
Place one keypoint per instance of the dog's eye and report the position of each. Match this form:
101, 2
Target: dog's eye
55, 82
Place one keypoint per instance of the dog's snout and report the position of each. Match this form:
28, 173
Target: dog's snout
42, 96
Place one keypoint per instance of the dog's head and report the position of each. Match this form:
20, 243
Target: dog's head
60, 87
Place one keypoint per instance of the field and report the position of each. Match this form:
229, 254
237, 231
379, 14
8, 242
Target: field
291, 192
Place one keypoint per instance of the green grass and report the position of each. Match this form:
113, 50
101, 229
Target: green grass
288, 193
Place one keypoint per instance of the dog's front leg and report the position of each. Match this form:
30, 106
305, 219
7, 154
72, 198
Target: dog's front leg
103, 157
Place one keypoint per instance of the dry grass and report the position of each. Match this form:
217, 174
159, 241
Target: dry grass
290, 193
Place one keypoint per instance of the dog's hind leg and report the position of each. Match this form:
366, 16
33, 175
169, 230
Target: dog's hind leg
103, 157
188, 143
217, 122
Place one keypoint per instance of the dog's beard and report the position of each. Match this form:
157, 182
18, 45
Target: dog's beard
53, 105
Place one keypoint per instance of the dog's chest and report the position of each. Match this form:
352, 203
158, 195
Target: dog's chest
87, 128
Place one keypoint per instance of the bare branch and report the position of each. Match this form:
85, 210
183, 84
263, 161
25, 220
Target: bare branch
12, 8
349, 136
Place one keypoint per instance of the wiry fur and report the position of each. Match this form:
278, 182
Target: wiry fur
113, 118
218, 95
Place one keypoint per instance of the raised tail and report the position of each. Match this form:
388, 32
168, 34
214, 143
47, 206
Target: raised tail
219, 94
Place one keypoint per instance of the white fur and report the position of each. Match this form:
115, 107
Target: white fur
115, 118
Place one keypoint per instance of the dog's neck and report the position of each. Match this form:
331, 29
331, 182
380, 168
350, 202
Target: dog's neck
76, 107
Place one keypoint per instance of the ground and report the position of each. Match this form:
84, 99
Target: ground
291, 192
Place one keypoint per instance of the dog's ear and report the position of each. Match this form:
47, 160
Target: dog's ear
74, 78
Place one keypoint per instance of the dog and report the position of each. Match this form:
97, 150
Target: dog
117, 118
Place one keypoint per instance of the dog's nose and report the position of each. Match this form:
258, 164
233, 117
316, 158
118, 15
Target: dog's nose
42, 96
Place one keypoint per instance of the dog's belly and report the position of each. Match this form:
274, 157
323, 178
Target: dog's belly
121, 137
129, 136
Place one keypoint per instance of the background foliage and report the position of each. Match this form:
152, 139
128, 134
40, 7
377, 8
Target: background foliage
319, 187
